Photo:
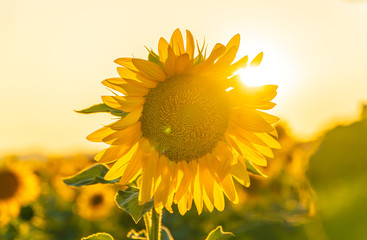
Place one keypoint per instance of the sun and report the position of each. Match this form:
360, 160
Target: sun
253, 76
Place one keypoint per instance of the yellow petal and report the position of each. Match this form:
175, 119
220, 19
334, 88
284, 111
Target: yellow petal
177, 43
126, 73
182, 205
209, 205
128, 120
182, 63
207, 181
250, 120
257, 60
185, 182
251, 154
112, 153
147, 184
126, 104
126, 62
125, 136
218, 50
218, 197
114, 86
190, 45
228, 56
198, 197
239, 171
229, 188
149, 69
101, 133
114, 101
270, 141
146, 82
134, 167
169, 65
234, 42
264, 150
117, 169
242, 63
163, 49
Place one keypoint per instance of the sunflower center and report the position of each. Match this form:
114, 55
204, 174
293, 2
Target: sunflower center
96, 199
185, 116
9, 184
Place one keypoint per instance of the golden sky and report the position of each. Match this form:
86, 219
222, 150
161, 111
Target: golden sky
54, 54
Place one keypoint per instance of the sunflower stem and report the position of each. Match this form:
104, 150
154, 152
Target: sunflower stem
155, 231
148, 223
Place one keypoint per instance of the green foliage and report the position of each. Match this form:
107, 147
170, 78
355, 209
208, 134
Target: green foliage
92, 175
200, 57
153, 57
218, 234
99, 236
102, 108
128, 201
337, 173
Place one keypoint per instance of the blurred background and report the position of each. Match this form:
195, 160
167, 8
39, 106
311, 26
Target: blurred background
54, 54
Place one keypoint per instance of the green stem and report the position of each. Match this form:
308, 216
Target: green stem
148, 224
155, 231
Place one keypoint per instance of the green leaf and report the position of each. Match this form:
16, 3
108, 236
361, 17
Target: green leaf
153, 57
251, 168
218, 234
128, 201
99, 236
166, 234
92, 175
200, 57
102, 108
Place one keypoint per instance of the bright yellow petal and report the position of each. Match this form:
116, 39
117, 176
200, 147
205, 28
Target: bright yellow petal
128, 120
163, 49
126, 62
177, 43
124, 136
270, 141
169, 65
257, 60
117, 169
239, 172
190, 45
134, 167
182, 63
149, 69
218, 197
229, 188
101, 133
112, 153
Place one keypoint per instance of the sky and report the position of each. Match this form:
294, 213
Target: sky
54, 55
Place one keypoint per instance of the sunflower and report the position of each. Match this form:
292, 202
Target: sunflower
19, 186
95, 202
190, 127
61, 167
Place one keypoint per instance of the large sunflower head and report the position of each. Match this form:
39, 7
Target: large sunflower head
191, 125
18, 186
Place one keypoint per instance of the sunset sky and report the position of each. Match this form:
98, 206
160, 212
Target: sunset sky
54, 55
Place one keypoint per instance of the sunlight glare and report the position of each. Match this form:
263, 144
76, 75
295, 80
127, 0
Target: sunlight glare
254, 76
